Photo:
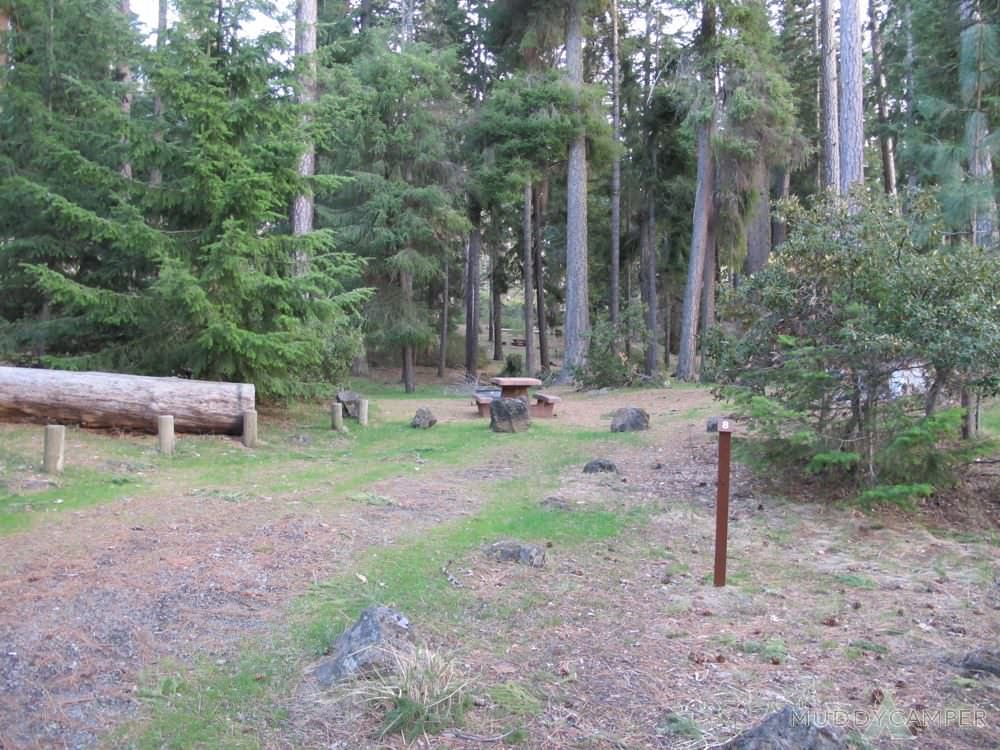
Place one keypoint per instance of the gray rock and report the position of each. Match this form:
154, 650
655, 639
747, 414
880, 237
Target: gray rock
509, 415
982, 660
351, 402
423, 419
629, 419
367, 644
788, 729
554, 502
518, 552
712, 425
599, 465
301, 439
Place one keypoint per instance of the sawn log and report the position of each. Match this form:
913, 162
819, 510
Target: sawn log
105, 399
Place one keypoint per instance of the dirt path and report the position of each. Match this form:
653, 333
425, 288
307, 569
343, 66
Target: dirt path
612, 639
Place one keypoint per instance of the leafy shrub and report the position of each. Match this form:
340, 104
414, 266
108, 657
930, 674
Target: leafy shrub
513, 366
608, 366
856, 294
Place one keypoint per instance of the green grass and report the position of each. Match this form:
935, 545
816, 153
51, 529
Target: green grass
990, 417
854, 581
232, 706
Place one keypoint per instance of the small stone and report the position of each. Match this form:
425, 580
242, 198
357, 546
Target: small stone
368, 644
301, 439
518, 552
423, 419
556, 503
788, 729
629, 419
599, 465
982, 660
509, 415
351, 402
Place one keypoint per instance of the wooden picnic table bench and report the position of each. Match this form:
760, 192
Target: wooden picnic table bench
545, 405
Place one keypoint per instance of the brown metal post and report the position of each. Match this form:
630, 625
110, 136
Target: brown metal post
722, 502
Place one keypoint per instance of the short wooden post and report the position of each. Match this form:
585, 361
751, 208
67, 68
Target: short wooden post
337, 416
250, 428
55, 448
165, 431
363, 412
722, 502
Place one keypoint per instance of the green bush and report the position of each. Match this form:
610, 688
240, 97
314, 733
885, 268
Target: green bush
860, 291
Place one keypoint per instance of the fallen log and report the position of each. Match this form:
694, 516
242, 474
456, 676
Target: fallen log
105, 399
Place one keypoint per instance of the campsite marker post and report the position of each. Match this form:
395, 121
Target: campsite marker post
722, 501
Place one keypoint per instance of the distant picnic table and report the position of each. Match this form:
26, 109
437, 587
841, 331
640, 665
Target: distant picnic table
515, 387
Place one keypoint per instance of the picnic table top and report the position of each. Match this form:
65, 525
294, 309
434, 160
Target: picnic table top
515, 382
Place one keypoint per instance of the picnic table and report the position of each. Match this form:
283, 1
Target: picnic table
515, 387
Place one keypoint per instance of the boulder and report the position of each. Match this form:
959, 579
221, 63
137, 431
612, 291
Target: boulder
599, 465
788, 729
982, 660
367, 644
423, 419
509, 415
629, 419
518, 552
351, 402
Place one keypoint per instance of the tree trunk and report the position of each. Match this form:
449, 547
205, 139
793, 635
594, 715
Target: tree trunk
496, 304
364, 15
852, 123
779, 229
541, 201
759, 224
472, 292
103, 399
530, 364
830, 97
909, 64
155, 175
977, 129
577, 325
616, 171
123, 73
305, 57
688, 344
886, 146
443, 345
667, 323
651, 362
707, 307
4, 29
408, 375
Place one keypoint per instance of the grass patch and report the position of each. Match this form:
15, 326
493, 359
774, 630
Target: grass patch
772, 650
514, 699
675, 725
856, 647
233, 706
853, 581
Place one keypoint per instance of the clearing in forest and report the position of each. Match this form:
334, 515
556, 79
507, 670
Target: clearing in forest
151, 602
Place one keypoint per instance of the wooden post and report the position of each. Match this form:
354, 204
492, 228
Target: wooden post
722, 502
55, 448
250, 428
337, 416
165, 431
363, 412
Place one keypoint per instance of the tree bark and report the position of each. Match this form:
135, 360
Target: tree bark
496, 304
409, 361
852, 124
530, 363
103, 399
830, 97
886, 146
155, 175
305, 56
779, 229
4, 29
977, 130
616, 171
759, 225
577, 325
651, 361
688, 344
472, 292
443, 344
123, 73
541, 202
707, 307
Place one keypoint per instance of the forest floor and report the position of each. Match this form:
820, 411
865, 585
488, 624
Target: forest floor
180, 602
